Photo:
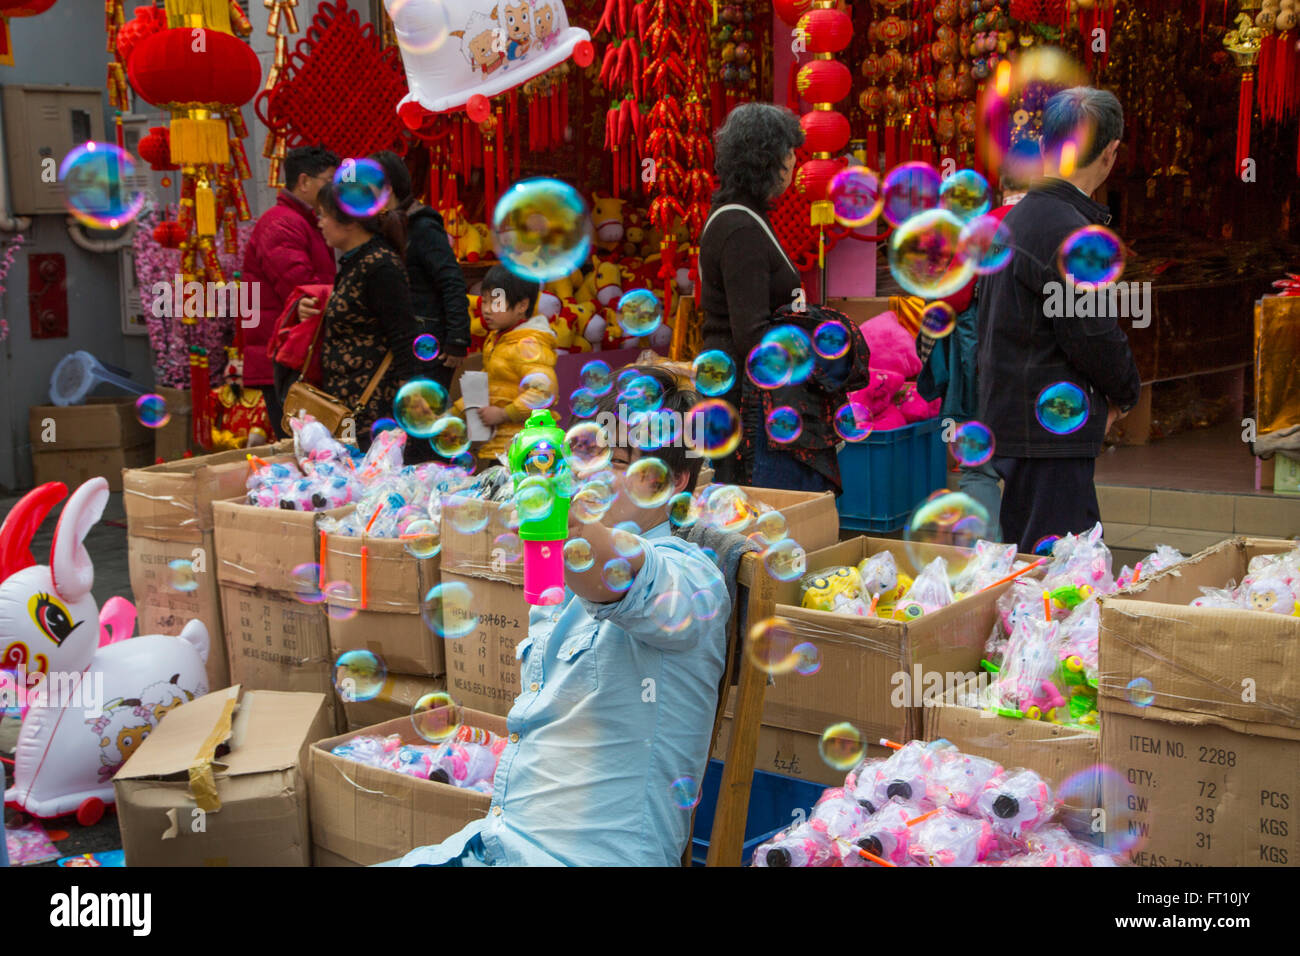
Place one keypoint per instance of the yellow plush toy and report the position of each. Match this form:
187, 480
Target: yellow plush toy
607, 219
837, 590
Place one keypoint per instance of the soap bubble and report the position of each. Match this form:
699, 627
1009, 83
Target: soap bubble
340, 601
810, 659
853, 421
924, 257
99, 185
713, 428
856, 196
542, 459
624, 376
418, 405
771, 646
589, 447
436, 717
831, 339
648, 483
578, 555
1139, 692
1101, 792
626, 540
306, 583
785, 560
909, 189
966, 195
361, 187
797, 344
950, 518
508, 515
985, 242
422, 538
972, 444
425, 347
704, 605
507, 547
450, 436
382, 425
151, 411
1061, 408
181, 576
541, 229
938, 319
534, 498
617, 575
640, 313
1091, 254
784, 424
448, 610
551, 596
715, 372
1007, 135
769, 364
671, 611
685, 793
772, 526
596, 377
641, 395
420, 27
1044, 545
841, 746
584, 403
592, 501
683, 510
359, 675
468, 515
727, 508
537, 391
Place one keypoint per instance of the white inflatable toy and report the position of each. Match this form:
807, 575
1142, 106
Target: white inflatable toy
100, 694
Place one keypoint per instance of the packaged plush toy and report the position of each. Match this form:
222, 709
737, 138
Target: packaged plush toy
882, 581
1162, 557
1016, 803
1023, 685
949, 838
929, 592
837, 590
989, 563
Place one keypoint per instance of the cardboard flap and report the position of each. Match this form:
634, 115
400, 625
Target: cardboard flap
268, 731
186, 742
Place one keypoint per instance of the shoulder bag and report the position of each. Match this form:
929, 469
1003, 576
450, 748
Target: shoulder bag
321, 405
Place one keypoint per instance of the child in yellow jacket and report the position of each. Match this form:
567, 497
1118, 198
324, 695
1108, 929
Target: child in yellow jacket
518, 356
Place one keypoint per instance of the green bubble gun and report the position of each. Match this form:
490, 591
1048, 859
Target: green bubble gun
538, 459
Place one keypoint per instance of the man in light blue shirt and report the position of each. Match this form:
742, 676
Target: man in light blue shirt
609, 739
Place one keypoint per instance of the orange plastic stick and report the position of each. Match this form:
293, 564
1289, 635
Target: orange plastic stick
924, 816
1015, 574
371, 523
365, 576
1137, 573
874, 601
1047, 605
890, 744
873, 858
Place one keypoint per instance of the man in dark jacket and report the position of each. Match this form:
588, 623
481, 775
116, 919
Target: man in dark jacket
286, 249
1025, 346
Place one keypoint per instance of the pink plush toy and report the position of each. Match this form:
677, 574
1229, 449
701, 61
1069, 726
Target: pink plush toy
892, 349
915, 408
879, 399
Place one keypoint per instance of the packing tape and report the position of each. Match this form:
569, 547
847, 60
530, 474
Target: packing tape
203, 782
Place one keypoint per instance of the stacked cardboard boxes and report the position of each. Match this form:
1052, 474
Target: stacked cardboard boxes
1200, 718
169, 515
74, 443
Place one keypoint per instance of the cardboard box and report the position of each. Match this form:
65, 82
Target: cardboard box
182, 801
279, 643
1054, 752
381, 611
363, 815
395, 699
99, 423
868, 662
792, 753
162, 609
175, 438
261, 547
1286, 474
860, 310
173, 501
75, 468
1211, 766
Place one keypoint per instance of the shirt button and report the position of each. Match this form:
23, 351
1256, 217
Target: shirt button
514, 738
533, 686
496, 811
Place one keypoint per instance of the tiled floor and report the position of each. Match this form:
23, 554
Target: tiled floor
1208, 459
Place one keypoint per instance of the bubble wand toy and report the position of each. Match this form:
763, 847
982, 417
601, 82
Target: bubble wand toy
538, 458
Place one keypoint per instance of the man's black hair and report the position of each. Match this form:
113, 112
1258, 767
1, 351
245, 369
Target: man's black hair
516, 288
396, 172
312, 160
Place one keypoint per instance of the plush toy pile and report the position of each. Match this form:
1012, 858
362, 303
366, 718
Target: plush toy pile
468, 760
929, 804
892, 396
1271, 585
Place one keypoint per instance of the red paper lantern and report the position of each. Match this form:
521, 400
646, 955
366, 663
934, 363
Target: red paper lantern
169, 234
814, 178
167, 72
156, 149
826, 131
146, 22
791, 10
24, 8
824, 81
827, 31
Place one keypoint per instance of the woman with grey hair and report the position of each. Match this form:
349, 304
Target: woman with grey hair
745, 275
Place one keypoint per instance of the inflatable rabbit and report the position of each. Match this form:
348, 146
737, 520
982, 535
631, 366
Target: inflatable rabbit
103, 694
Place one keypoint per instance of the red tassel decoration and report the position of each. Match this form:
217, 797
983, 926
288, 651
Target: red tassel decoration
1244, 104
564, 107
514, 129
873, 146
557, 134
501, 147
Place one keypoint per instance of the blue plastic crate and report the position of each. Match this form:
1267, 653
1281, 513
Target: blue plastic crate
889, 473
773, 798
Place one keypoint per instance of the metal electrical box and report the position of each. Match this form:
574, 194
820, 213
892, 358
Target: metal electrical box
45, 123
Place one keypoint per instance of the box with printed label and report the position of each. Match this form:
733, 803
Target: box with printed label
396, 698
482, 669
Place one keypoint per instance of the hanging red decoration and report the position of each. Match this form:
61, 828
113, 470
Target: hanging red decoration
824, 81
146, 22
169, 234
825, 131
16, 8
156, 150
791, 10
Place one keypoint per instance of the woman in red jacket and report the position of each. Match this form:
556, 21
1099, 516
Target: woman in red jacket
285, 250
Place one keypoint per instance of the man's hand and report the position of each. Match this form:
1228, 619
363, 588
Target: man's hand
491, 415
1113, 414
308, 308
453, 361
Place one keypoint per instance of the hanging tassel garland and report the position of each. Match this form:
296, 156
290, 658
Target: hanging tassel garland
205, 210
1245, 102
199, 141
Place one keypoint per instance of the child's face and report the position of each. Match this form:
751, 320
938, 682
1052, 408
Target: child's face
497, 316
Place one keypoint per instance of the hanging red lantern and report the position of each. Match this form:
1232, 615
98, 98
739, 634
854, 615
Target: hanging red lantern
825, 31
146, 22
825, 131
791, 10
16, 8
169, 234
156, 149
814, 177
824, 81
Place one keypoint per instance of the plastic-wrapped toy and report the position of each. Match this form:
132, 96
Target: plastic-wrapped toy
1023, 686
1271, 594
881, 580
313, 441
1080, 560
843, 818
956, 779
989, 563
1216, 597
803, 846
1016, 802
886, 834
929, 592
837, 590
1162, 557
900, 777
949, 838
464, 764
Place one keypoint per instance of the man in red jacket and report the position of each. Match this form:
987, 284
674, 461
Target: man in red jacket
286, 249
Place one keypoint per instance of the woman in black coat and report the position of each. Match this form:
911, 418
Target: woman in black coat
745, 278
